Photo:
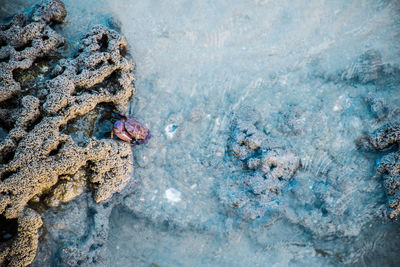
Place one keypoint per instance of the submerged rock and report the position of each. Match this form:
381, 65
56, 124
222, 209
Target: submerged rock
369, 68
268, 180
388, 166
378, 107
51, 147
292, 121
268, 167
383, 137
75, 234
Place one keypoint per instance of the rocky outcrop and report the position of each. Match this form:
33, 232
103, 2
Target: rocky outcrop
26, 38
54, 115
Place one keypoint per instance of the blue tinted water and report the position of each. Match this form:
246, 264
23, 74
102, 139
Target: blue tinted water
307, 64
310, 68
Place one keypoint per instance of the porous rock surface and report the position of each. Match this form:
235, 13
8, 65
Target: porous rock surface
76, 234
41, 159
388, 166
268, 164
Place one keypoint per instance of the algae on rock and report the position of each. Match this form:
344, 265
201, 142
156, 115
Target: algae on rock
40, 159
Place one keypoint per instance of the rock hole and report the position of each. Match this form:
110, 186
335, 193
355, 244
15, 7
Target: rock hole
98, 65
81, 128
34, 123
104, 123
103, 42
79, 90
4, 193
111, 82
11, 103
18, 74
122, 50
5, 175
6, 158
31, 79
3, 133
57, 149
45, 37
3, 42
23, 47
5, 59
110, 61
93, 247
89, 170
8, 228
78, 53
5, 126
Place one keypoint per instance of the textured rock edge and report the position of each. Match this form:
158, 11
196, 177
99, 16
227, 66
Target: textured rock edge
40, 163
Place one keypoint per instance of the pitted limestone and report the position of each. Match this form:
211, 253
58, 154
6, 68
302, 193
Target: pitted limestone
40, 160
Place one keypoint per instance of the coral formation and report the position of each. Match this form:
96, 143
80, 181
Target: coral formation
52, 144
369, 68
267, 180
269, 166
388, 166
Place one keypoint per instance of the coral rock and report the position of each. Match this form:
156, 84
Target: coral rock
48, 154
389, 165
268, 166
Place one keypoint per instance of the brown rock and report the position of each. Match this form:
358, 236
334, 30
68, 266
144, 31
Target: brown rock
42, 161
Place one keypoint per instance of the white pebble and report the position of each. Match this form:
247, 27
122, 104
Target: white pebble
172, 195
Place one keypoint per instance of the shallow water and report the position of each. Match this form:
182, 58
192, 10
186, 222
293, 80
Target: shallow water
309, 68
196, 63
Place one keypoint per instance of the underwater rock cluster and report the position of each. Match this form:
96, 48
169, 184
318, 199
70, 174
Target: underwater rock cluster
270, 179
268, 163
369, 68
388, 166
51, 146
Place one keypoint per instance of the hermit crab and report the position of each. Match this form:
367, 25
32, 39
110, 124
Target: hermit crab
129, 129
